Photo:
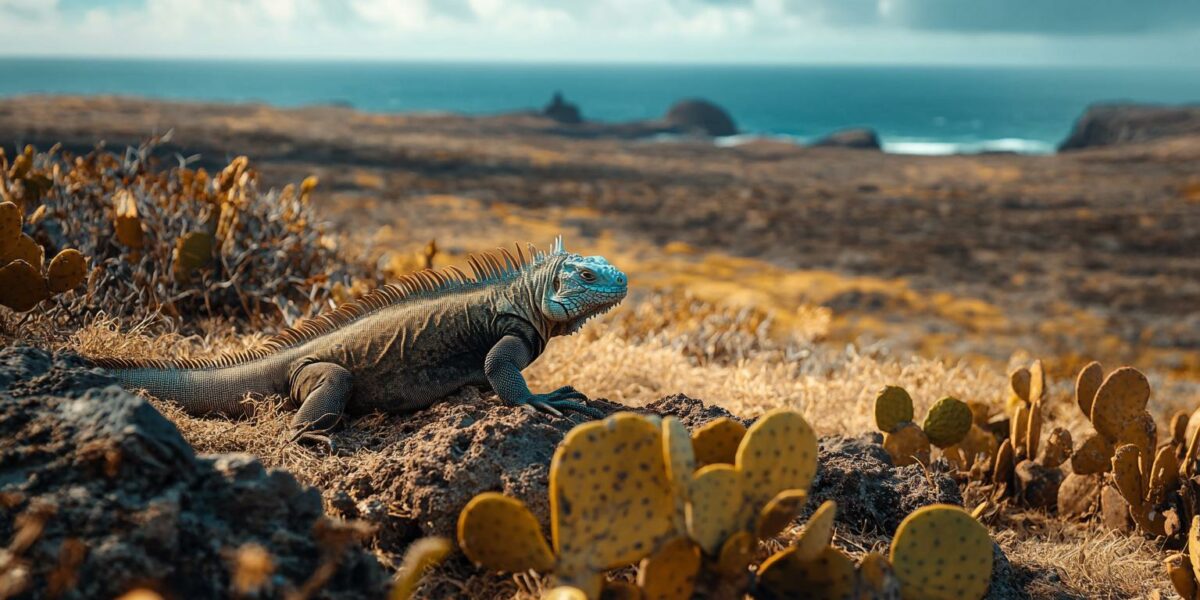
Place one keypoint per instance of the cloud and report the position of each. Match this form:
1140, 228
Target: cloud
1056, 17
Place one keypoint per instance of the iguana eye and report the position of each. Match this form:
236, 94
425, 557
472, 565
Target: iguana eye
587, 276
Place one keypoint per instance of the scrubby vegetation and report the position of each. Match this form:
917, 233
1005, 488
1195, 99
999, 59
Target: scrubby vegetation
180, 262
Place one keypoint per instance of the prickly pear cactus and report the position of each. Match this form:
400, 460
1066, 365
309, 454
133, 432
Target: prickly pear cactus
941, 552
893, 407
947, 422
25, 280
420, 555
501, 534
670, 573
717, 441
831, 575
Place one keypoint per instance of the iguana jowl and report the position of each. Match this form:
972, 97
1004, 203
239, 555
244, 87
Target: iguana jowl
406, 345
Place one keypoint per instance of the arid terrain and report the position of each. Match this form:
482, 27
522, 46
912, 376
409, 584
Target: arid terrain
763, 275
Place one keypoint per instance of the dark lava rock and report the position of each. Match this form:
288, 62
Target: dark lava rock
562, 111
691, 412
701, 115
859, 138
102, 494
1108, 124
871, 494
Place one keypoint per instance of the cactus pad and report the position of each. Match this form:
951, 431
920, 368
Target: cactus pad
1180, 573
715, 508
1037, 381
818, 532
829, 576
1019, 429
1193, 544
192, 251
670, 573
941, 552
610, 498
564, 592
779, 512
127, 223
27, 250
67, 270
1143, 433
21, 286
1033, 430
1005, 462
1058, 448
1164, 474
736, 553
500, 533
1121, 398
1094, 455
419, 556
1089, 380
717, 441
1127, 474
10, 227
778, 453
948, 422
907, 445
1020, 381
878, 578
681, 463
893, 407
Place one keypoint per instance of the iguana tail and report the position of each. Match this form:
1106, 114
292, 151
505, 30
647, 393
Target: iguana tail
199, 390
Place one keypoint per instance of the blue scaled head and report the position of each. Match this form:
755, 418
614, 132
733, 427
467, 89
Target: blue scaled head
582, 287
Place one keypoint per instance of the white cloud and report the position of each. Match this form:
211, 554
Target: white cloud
926, 31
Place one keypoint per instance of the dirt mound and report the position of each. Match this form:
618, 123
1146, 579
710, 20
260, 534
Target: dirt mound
102, 494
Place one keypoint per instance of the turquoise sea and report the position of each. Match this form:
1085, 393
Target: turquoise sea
925, 110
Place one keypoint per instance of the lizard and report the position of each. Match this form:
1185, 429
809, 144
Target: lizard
405, 345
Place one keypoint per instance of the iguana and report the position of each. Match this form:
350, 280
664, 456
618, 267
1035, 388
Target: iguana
406, 345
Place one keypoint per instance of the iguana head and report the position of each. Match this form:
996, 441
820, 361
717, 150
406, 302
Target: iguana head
581, 288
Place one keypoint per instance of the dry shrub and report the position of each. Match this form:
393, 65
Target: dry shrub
170, 245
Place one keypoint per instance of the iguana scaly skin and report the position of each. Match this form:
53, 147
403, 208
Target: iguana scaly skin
405, 346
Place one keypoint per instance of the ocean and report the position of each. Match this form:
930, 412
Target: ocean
921, 110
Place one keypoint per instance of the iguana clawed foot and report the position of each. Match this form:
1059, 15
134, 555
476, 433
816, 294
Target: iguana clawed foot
565, 398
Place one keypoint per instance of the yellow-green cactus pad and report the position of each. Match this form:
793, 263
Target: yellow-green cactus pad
1033, 430
878, 578
681, 463
611, 502
779, 512
21, 286
1094, 455
501, 534
717, 441
10, 227
893, 406
1086, 384
670, 573
66, 271
907, 445
27, 250
420, 555
1020, 381
778, 453
818, 532
940, 552
830, 576
1180, 573
1121, 398
948, 422
1018, 430
736, 553
1005, 461
564, 592
716, 506
1037, 381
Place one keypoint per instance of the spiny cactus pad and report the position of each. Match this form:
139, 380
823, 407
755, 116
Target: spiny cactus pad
1020, 381
907, 445
610, 498
1089, 380
670, 573
940, 552
21, 286
500, 533
1005, 461
1143, 433
829, 576
1121, 398
66, 271
27, 250
717, 441
1037, 381
948, 422
420, 555
715, 508
681, 463
779, 512
818, 532
736, 553
778, 453
1094, 455
1033, 430
893, 406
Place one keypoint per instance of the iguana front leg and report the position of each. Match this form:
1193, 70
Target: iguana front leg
503, 366
321, 389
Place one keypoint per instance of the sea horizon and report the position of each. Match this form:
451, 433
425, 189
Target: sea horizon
932, 109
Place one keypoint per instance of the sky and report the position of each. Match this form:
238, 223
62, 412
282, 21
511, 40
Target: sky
1155, 33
